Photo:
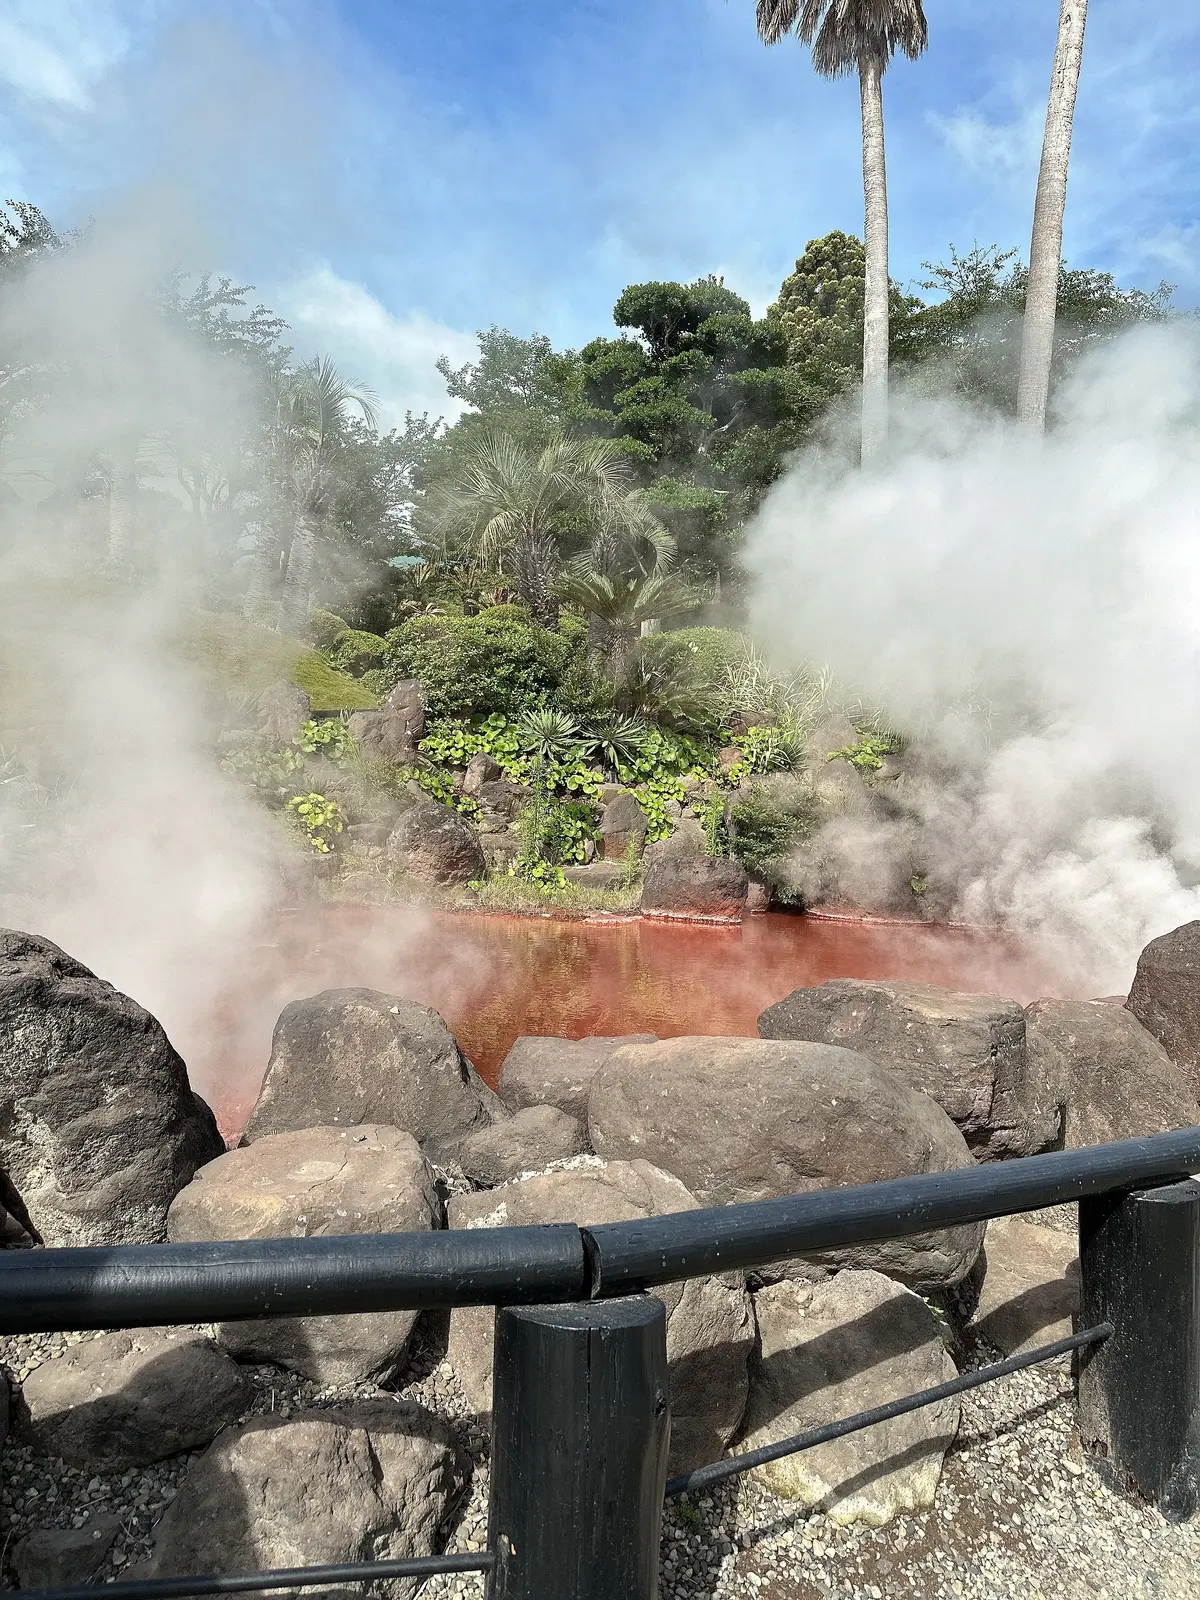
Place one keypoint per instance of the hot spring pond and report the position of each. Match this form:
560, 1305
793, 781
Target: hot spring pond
496, 977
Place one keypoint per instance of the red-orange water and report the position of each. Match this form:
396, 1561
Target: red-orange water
496, 977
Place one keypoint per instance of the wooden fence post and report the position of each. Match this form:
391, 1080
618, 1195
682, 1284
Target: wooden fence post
1139, 1392
580, 1424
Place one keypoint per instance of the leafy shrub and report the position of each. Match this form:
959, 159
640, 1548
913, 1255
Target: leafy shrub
768, 821
452, 743
549, 735
330, 735
868, 753
356, 651
553, 833
317, 819
616, 740
324, 627
771, 749
670, 685
268, 770
497, 661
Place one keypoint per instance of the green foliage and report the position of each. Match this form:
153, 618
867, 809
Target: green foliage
549, 735
766, 823
867, 755
769, 749
499, 661
553, 833
266, 770
327, 688
616, 741
317, 819
356, 651
712, 820
330, 736
324, 627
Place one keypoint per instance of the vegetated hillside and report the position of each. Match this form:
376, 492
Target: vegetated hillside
234, 655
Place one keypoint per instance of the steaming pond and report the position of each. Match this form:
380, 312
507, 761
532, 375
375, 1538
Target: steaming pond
496, 977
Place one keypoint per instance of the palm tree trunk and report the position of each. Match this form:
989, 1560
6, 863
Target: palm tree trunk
122, 499
1045, 250
297, 583
875, 307
535, 568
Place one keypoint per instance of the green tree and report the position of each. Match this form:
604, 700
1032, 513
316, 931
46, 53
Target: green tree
619, 605
519, 509
860, 36
312, 409
1045, 250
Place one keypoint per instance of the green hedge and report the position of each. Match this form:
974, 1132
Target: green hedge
497, 661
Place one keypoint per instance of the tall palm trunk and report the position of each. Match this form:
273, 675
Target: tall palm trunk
122, 500
875, 307
1045, 250
297, 582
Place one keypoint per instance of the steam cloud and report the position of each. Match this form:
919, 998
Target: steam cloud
1030, 609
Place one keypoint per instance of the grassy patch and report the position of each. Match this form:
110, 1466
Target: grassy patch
503, 893
232, 653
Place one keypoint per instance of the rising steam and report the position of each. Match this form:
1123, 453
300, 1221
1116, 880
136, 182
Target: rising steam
1029, 609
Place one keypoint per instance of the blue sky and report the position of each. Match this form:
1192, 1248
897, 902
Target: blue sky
395, 175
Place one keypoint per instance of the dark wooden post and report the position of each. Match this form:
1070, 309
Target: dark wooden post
1139, 1392
580, 1423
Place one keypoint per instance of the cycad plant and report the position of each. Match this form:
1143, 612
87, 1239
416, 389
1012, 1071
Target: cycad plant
619, 604
860, 36
311, 409
518, 507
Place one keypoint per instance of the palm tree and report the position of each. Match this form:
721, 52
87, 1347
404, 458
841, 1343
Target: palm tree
1045, 250
620, 605
311, 408
860, 36
516, 505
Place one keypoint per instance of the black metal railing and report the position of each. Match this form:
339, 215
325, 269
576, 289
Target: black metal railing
580, 1351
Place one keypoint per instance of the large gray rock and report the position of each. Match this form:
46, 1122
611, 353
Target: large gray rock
126, 1399
392, 733
284, 709
17, 1231
482, 768
1030, 1290
311, 1184
1114, 1079
1165, 996
531, 1139
751, 1119
434, 845
372, 1482
5, 1410
49, 1557
543, 1070
967, 1051
99, 1129
623, 824
710, 1330
695, 888
829, 1350
348, 1056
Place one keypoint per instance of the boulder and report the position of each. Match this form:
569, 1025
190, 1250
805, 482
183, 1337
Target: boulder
1165, 996
49, 1557
393, 732
526, 1142
752, 1119
499, 801
1113, 1078
622, 824
500, 850
371, 1482
433, 844
482, 768
1031, 1287
283, 709
967, 1051
126, 1399
698, 888
17, 1232
310, 1184
606, 876
710, 1330
5, 1410
831, 1349
99, 1129
349, 1056
543, 1070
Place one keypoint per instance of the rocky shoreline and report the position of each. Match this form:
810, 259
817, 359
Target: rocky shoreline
280, 1443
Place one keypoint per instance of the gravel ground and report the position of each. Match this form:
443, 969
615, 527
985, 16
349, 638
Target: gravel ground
1019, 1515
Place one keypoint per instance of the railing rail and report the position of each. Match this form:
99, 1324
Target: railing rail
51, 1291
580, 1399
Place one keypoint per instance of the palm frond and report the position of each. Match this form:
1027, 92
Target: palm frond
843, 33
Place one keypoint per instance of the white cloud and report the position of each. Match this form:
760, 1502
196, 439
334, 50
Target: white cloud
53, 52
395, 356
998, 149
